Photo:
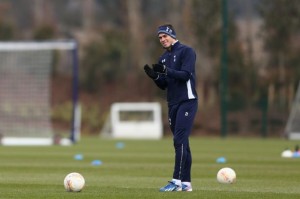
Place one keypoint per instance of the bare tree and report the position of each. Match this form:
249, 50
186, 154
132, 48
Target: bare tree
88, 14
136, 33
43, 12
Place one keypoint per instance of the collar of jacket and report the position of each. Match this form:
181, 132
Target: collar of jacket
173, 46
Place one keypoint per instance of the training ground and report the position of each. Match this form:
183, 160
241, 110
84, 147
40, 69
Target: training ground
138, 168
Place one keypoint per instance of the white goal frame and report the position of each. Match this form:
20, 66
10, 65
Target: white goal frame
117, 128
292, 129
72, 46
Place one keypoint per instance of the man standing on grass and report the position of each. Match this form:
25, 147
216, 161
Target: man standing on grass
175, 71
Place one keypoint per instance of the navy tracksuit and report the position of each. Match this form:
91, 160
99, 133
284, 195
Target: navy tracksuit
180, 81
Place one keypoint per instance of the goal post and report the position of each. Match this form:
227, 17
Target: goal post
134, 120
26, 91
292, 129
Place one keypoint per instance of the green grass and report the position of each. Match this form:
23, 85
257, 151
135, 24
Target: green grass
142, 167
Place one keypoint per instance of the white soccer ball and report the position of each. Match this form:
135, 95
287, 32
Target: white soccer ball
226, 176
74, 182
287, 154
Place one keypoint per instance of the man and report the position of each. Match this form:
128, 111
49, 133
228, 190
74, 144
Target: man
175, 71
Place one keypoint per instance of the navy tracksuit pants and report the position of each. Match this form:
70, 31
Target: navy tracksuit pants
181, 119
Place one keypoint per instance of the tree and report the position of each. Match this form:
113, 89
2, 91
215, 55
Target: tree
136, 36
280, 32
208, 26
6, 31
102, 61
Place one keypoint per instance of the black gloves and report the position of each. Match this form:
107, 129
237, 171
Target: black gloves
150, 72
159, 68
156, 68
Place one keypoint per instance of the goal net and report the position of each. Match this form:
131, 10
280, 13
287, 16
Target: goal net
292, 129
135, 120
26, 71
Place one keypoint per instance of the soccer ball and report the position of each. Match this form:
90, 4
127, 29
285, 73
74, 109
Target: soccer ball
74, 182
226, 176
287, 154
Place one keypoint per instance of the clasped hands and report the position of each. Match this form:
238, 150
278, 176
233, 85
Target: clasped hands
155, 70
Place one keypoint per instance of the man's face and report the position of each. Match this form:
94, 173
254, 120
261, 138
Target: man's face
165, 40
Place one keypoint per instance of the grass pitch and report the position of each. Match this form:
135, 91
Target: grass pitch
140, 168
